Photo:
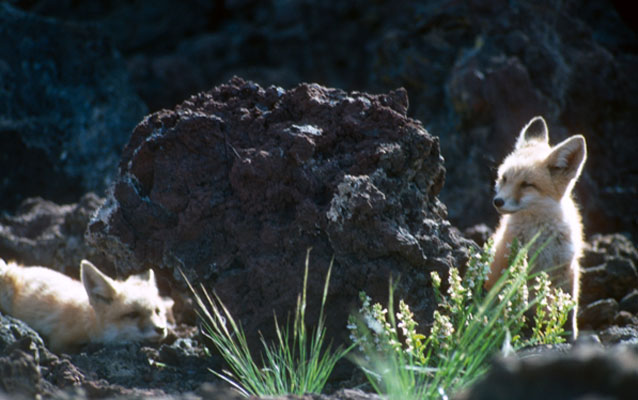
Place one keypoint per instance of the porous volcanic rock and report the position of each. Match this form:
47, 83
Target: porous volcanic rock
235, 184
28, 369
67, 108
586, 372
41, 232
608, 282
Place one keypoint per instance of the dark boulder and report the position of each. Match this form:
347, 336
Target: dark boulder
235, 184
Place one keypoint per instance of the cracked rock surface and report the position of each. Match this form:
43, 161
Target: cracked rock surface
235, 184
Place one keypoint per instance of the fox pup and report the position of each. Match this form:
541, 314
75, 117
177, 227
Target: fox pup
71, 313
533, 195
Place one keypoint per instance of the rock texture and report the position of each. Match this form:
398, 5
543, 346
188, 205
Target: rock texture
67, 108
28, 369
610, 374
608, 283
235, 184
44, 233
475, 72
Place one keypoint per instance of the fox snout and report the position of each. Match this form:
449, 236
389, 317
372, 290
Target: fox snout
159, 331
507, 205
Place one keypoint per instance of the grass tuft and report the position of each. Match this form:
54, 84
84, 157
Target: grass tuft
298, 362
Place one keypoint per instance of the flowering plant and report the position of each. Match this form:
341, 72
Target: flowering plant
468, 326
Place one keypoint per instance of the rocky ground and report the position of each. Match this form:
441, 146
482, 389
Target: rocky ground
234, 183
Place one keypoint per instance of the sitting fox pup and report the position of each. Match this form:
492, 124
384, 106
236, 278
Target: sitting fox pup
533, 195
71, 313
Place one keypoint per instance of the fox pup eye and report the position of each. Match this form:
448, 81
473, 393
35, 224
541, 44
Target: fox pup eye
526, 184
158, 311
131, 315
504, 179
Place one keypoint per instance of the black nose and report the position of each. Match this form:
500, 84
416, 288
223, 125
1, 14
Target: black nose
160, 330
498, 202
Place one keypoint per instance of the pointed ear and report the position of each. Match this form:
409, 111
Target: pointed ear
148, 276
568, 157
99, 287
536, 129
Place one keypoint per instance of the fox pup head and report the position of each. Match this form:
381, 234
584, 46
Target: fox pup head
130, 310
536, 174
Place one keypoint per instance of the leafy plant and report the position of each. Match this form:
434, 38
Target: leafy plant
298, 362
469, 326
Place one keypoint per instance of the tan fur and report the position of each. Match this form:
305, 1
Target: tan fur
533, 194
70, 313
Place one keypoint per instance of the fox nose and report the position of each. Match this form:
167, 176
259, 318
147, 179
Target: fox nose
498, 202
160, 330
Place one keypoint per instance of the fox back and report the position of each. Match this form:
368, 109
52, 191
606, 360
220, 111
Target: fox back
534, 196
70, 313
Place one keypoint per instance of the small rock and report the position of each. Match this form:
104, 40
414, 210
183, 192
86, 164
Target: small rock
614, 279
598, 313
630, 302
613, 245
619, 335
624, 318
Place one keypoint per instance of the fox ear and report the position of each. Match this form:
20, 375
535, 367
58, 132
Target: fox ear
99, 287
568, 157
148, 276
536, 129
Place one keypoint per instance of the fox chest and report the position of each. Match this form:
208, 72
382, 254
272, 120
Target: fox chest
553, 246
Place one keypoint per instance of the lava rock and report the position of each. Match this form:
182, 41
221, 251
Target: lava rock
235, 184
44, 233
586, 372
601, 247
15, 334
21, 352
630, 302
597, 314
615, 276
67, 108
619, 335
28, 369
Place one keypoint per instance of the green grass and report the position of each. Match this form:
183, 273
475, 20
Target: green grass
470, 326
298, 362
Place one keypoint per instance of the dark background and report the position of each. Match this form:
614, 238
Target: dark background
77, 76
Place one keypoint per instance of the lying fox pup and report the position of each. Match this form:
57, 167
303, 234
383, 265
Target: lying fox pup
71, 313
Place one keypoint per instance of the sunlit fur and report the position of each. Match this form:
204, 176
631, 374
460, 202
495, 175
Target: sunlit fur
69, 313
533, 195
